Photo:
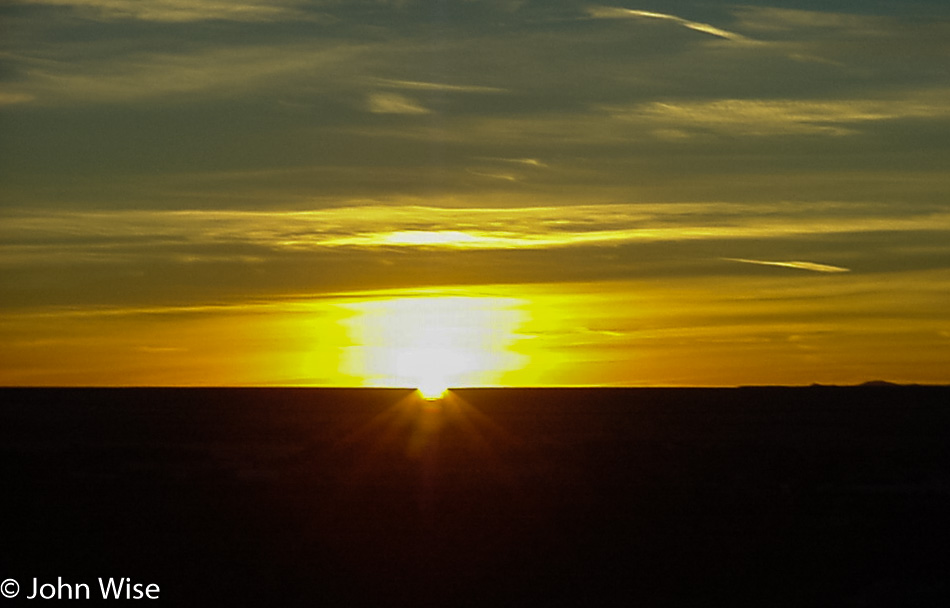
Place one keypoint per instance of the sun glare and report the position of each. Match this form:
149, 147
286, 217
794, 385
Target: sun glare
432, 343
432, 391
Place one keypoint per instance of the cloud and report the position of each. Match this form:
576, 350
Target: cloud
508, 177
435, 86
606, 12
677, 120
527, 162
180, 11
122, 77
860, 45
207, 235
9, 99
393, 103
777, 20
763, 117
812, 266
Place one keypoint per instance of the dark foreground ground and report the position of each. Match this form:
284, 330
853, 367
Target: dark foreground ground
768, 497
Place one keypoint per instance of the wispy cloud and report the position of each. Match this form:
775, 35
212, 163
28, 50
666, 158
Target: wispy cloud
508, 177
776, 20
394, 103
859, 44
607, 12
435, 86
8, 98
681, 120
177, 11
758, 117
196, 235
526, 162
812, 266
214, 71
507, 169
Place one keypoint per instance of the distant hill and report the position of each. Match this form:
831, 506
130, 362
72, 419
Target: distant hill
869, 383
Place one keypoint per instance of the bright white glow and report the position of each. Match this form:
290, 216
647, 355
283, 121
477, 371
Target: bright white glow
428, 237
433, 343
432, 391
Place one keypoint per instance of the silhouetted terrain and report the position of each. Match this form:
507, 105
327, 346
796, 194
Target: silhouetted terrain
761, 496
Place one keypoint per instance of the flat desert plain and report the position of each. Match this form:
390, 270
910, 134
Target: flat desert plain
811, 496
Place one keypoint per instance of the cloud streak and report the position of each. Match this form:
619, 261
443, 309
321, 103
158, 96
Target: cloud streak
206, 72
181, 11
393, 103
435, 86
10, 98
811, 266
607, 12
764, 117
777, 21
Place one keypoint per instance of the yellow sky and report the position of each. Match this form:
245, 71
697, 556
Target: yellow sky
655, 332
474, 193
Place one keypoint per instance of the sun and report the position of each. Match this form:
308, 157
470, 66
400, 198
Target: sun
430, 367
433, 390
432, 343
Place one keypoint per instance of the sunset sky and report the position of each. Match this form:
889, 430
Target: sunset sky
474, 192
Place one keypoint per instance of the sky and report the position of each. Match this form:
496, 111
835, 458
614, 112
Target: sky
474, 192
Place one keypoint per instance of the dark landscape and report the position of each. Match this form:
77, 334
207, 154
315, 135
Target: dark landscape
812, 496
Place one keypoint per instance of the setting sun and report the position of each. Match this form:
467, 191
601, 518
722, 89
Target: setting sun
433, 342
432, 391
